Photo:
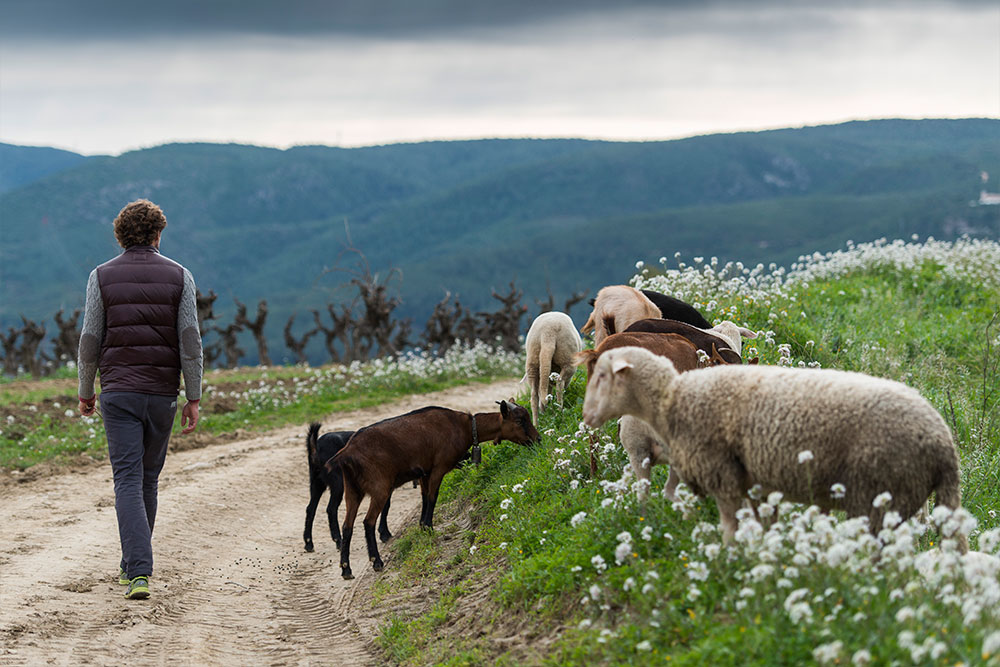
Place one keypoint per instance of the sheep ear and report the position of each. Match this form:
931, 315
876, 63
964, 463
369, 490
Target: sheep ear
619, 364
746, 333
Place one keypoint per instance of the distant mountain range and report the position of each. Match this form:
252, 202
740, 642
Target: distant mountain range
468, 216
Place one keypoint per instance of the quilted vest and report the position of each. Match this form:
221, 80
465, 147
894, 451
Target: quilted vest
141, 291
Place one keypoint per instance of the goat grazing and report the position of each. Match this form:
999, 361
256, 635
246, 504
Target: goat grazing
551, 342
424, 445
321, 449
801, 432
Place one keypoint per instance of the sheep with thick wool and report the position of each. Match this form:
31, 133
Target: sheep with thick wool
551, 346
729, 428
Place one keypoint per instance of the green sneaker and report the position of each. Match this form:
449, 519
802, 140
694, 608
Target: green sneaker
123, 578
138, 588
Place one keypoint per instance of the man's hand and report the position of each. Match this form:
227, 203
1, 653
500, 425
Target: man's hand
88, 406
189, 417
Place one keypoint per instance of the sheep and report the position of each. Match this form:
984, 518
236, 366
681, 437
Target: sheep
616, 307
551, 342
424, 445
319, 450
729, 428
726, 335
637, 438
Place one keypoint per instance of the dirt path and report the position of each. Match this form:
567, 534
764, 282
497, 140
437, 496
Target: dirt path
233, 584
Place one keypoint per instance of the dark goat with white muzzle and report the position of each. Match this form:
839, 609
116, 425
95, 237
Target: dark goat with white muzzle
421, 445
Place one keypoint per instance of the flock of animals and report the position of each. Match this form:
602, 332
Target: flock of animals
685, 398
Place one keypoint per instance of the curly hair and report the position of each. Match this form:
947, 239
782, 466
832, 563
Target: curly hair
139, 223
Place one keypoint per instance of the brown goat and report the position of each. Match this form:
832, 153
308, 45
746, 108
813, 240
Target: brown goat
421, 445
702, 339
678, 349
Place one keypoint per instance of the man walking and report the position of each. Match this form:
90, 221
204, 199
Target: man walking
140, 331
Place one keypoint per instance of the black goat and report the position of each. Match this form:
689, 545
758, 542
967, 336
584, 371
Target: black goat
675, 309
321, 449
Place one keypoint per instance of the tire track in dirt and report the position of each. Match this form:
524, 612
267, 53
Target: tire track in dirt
232, 582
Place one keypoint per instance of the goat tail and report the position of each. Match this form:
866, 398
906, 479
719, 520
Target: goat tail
949, 494
311, 439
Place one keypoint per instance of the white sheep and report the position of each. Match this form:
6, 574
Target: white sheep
616, 307
551, 345
732, 334
798, 431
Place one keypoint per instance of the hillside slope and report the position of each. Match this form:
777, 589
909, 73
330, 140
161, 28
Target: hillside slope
468, 216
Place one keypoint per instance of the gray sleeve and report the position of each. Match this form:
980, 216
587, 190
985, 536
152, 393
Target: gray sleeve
91, 338
192, 362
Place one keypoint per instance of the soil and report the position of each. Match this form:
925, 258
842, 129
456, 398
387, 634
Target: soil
232, 582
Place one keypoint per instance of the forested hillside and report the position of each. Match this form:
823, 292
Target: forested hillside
467, 216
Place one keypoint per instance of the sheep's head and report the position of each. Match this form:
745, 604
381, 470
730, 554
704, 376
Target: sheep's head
732, 334
515, 424
613, 389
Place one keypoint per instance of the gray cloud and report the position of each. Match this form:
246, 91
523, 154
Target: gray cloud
129, 18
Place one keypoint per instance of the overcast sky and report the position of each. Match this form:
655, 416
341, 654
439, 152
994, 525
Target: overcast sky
108, 76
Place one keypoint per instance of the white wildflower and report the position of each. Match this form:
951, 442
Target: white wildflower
991, 645
577, 519
805, 456
861, 657
598, 563
882, 499
826, 653
644, 645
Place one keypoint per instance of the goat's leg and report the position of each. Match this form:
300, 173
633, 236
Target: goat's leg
423, 501
336, 495
352, 497
374, 509
430, 499
316, 487
383, 526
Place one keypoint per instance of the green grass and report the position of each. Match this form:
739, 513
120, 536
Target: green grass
676, 597
39, 421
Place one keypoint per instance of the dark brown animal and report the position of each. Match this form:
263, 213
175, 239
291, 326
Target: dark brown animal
421, 445
678, 349
701, 338
320, 449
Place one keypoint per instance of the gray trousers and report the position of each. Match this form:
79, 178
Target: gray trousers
138, 430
